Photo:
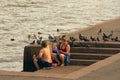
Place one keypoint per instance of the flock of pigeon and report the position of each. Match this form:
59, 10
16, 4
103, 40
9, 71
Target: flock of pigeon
105, 37
52, 38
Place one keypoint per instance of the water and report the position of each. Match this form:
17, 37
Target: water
18, 18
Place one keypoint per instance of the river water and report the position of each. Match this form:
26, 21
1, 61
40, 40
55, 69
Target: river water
18, 18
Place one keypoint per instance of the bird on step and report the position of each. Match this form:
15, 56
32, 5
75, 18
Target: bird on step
51, 38
115, 39
81, 37
72, 38
33, 42
105, 39
100, 31
39, 40
98, 39
85, 39
93, 39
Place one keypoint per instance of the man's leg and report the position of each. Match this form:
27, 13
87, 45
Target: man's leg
36, 64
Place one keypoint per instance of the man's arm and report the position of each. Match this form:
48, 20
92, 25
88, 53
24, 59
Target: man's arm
40, 54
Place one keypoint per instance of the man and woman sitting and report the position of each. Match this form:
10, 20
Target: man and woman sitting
45, 58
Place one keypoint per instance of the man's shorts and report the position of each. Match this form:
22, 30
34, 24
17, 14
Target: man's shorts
43, 64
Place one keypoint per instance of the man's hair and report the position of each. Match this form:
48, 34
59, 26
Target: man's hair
44, 43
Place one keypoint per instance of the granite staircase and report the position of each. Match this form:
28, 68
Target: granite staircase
87, 53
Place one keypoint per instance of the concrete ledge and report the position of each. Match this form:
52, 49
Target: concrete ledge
97, 44
74, 75
93, 67
95, 50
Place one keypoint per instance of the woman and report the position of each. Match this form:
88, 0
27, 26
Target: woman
55, 53
64, 52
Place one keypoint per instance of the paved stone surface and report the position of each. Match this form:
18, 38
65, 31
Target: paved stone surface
109, 72
27, 78
52, 74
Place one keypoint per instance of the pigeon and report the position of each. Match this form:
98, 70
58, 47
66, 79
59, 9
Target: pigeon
39, 33
85, 39
98, 39
81, 37
110, 34
93, 39
39, 40
72, 38
100, 31
33, 42
50, 37
115, 39
105, 36
105, 39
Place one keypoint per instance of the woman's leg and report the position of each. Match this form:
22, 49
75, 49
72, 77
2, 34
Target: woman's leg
55, 58
62, 59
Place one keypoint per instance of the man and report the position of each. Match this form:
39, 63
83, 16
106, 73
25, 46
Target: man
44, 57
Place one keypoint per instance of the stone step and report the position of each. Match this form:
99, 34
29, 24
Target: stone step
96, 44
91, 56
95, 50
84, 62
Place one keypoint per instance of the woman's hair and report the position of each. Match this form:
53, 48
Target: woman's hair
64, 39
44, 43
